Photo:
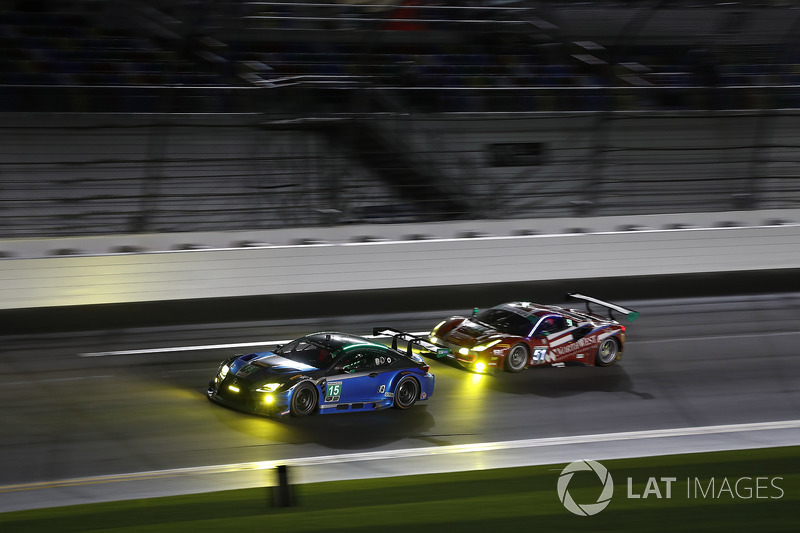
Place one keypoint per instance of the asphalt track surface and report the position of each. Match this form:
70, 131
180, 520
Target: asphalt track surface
122, 413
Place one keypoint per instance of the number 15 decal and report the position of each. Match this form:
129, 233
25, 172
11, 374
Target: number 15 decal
333, 392
539, 354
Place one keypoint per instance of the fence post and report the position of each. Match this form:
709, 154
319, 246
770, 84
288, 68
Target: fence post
282, 492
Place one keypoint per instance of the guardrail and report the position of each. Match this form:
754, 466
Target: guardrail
618, 251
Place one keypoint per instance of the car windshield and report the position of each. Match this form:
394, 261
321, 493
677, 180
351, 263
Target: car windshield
306, 352
505, 321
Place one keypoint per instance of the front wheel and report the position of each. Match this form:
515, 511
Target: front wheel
517, 358
607, 352
304, 400
406, 393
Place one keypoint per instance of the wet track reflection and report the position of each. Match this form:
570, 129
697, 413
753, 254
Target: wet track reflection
687, 363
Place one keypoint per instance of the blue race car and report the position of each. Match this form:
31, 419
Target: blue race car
324, 372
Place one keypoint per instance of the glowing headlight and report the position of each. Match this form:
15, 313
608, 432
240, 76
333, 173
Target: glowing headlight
463, 351
268, 387
434, 340
480, 367
224, 371
483, 347
269, 398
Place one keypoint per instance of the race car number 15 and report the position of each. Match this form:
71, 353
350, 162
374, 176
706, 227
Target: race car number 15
333, 392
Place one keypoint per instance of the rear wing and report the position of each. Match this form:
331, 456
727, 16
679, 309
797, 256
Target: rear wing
629, 313
411, 339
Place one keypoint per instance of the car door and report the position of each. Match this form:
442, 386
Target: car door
362, 376
558, 334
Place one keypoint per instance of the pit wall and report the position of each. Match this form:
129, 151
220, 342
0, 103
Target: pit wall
186, 267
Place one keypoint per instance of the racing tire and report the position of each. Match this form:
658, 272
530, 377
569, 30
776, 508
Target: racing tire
304, 400
607, 352
517, 358
406, 393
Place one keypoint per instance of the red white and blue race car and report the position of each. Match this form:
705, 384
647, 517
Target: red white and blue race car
516, 335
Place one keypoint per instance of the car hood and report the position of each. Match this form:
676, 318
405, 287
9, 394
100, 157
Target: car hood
470, 333
267, 366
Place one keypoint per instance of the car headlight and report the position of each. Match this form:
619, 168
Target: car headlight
224, 371
268, 387
483, 347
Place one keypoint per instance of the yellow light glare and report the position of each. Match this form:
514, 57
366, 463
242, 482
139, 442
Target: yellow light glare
480, 367
269, 398
233, 388
434, 340
463, 351
224, 371
485, 346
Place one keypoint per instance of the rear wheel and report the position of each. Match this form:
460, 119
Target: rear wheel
517, 358
406, 393
607, 352
304, 400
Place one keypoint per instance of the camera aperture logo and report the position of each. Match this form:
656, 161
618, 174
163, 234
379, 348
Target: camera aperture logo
585, 509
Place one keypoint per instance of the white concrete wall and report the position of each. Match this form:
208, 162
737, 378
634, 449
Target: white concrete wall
220, 272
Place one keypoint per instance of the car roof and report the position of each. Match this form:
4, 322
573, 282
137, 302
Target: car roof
533, 311
529, 309
335, 340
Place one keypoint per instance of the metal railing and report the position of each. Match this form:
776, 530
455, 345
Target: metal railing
92, 174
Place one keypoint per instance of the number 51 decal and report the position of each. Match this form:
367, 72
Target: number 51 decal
539, 354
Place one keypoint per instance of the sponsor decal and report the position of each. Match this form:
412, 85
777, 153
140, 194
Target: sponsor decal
566, 350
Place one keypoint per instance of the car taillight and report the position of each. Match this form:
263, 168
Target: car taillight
623, 329
425, 368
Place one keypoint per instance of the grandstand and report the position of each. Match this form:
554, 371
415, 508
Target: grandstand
168, 115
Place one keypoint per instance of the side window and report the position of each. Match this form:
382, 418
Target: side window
553, 324
581, 332
354, 362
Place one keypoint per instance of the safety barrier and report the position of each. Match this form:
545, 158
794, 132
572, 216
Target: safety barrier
472, 257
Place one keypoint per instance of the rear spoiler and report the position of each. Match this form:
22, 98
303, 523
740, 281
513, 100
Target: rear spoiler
629, 314
411, 339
